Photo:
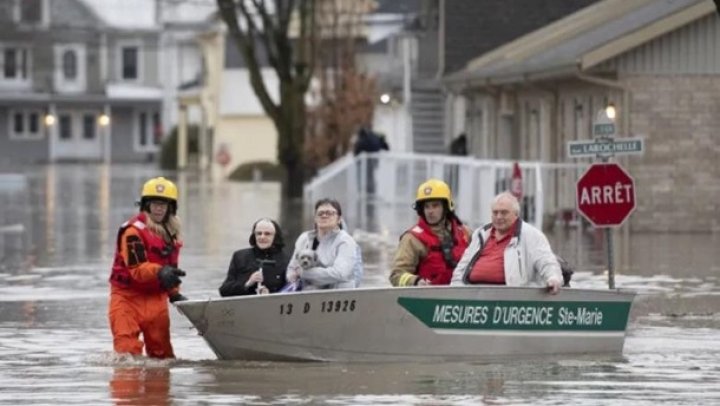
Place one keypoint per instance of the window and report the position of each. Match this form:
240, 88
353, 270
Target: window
69, 65
31, 11
149, 130
14, 63
157, 128
19, 123
34, 123
130, 63
65, 127
25, 124
70, 71
89, 126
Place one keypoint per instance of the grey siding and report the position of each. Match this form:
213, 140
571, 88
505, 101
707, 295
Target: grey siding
29, 151
149, 44
151, 68
124, 132
95, 82
693, 49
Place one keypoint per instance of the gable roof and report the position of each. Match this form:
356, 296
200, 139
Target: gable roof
582, 40
474, 27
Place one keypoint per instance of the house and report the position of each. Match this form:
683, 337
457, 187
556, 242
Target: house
438, 37
239, 130
656, 61
83, 80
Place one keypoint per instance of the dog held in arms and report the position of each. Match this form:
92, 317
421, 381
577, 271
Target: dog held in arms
307, 259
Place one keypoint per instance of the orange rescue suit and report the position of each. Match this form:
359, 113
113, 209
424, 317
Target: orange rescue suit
138, 304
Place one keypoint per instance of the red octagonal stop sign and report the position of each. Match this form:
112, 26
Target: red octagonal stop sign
605, 194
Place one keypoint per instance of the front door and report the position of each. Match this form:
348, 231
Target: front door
77, 136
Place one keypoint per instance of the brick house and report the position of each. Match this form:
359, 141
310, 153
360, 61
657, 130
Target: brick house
657, 61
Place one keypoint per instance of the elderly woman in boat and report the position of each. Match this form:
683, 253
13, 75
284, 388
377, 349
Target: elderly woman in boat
261, 268
326, 257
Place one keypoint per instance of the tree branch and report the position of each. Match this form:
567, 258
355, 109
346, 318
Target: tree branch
246, 46
305, 68
265, 34
281, 38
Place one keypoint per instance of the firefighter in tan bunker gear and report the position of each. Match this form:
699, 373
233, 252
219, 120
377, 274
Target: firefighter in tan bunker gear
429, 251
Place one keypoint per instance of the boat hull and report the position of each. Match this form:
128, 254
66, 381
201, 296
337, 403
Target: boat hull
413, 324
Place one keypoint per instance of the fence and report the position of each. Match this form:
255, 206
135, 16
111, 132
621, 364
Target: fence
377, 190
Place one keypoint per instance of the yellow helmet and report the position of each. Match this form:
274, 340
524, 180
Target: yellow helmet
434, 189
159, 188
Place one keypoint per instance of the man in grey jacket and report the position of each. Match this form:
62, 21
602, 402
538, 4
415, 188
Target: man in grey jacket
509, 252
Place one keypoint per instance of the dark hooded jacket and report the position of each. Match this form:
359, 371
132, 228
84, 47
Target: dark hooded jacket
273, 261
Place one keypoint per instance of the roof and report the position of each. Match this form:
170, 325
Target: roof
143, 14
473, 27
582, 40
128, 14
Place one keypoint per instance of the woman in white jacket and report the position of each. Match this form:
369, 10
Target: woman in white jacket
509, 252
335, 252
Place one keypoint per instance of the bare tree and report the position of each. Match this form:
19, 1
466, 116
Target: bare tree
345, 95
267, 24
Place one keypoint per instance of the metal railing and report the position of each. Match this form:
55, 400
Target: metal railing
377, 190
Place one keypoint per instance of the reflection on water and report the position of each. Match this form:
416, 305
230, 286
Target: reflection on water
57, 231
140, 386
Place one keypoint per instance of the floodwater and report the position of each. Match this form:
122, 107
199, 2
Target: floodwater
57, 230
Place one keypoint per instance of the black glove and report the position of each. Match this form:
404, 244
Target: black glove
170, 277
177, 298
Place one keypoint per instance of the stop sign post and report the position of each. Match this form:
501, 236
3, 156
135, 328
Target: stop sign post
605, 195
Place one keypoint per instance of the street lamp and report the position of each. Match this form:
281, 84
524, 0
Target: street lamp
384, 98
610, 111
104, 120
49, 120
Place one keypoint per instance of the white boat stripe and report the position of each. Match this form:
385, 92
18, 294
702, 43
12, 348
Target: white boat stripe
530, 333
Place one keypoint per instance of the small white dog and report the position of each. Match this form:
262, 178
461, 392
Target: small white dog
306, 258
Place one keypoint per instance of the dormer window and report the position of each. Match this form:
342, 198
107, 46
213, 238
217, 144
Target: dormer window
31, 11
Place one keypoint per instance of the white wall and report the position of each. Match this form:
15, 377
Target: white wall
237, 96
392, 120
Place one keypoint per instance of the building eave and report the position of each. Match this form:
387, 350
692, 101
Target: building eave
656, 29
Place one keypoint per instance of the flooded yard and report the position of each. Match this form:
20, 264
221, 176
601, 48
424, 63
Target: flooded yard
58, 228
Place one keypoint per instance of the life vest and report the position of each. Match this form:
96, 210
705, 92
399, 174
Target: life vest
156, 250
434, 266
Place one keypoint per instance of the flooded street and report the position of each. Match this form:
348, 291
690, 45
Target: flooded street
56, 246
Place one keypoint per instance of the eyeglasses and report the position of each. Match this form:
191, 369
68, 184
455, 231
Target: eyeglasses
264, 233
326, 213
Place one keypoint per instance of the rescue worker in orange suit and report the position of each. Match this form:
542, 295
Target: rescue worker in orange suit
428, 252
145, 274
